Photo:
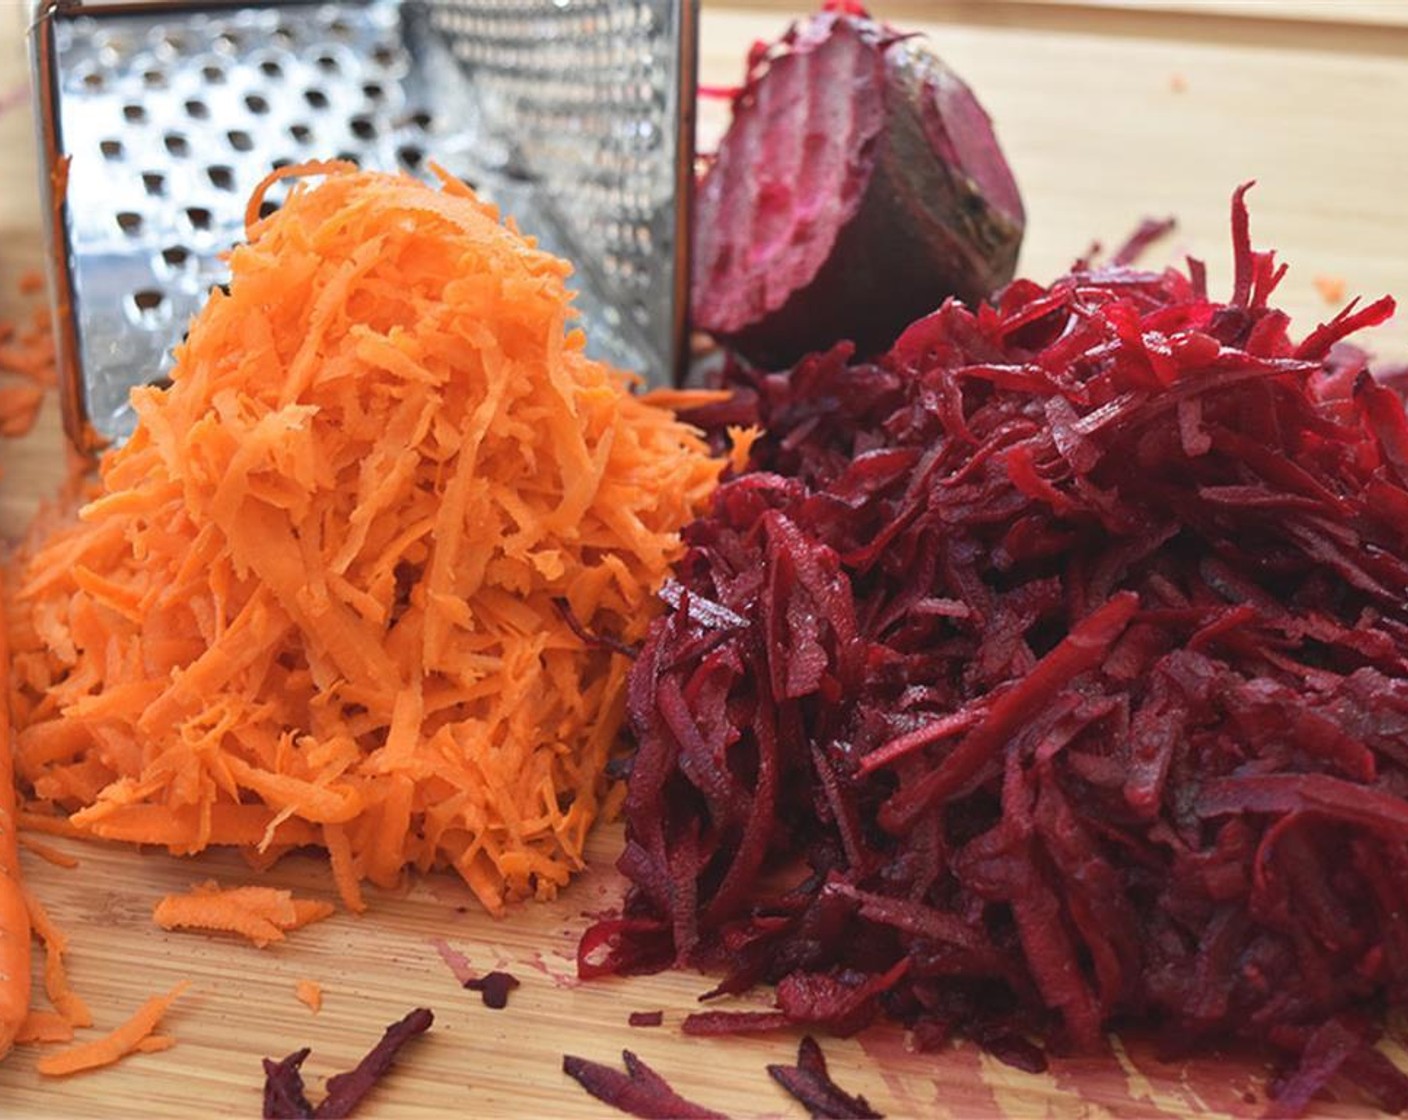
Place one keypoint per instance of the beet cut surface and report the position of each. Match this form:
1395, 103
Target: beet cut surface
858, 185
1047, 675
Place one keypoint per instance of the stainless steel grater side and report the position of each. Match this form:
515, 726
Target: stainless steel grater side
574, 116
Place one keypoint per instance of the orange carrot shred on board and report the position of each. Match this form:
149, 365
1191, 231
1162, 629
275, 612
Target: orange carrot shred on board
309, 992
47, 852
66, 1001
44, 1027
321, 595
261, 914
116, 1044
1331, 288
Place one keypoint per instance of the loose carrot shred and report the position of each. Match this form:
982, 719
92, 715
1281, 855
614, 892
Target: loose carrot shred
31, 282
48, 853
1331, 289
741, 442
154, 1044
309, 992
128, 1038
318, 596
44, 1027
260, 914
66, 1001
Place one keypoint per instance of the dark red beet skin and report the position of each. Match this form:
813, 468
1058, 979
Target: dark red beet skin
858, 186
1048, 674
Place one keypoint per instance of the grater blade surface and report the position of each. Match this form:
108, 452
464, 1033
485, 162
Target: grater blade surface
574, 116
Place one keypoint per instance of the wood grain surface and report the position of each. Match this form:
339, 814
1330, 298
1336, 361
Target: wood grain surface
1109, 113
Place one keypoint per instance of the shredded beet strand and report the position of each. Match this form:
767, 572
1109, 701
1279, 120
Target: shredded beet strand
493, 988
640, 1091
811, 1084
284, 1096
345, 1091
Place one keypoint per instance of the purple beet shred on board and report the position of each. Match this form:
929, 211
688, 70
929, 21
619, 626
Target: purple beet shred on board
284, 1095
640, 1091
646, 1018
858, 185
810, 1082
1048, 673
493, 988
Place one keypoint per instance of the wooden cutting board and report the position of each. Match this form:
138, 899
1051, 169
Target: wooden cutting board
1110, 112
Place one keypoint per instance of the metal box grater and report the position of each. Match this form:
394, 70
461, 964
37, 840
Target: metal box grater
574, 116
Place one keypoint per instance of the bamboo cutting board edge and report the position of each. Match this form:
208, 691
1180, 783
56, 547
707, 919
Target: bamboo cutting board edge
1101, 130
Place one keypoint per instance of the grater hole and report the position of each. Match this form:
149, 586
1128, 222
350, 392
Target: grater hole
197, 110
228, 42
175, 255
284, 37
129, 222
111, 149
384, 56
154, 182
94, 80
300, 132
147, 306
256, 104
177, 145
340, 29
373, 91
362, 128
268, 208
215, 75
271, 69
173, 43
222, 178
134, 114
153, 79
328, 64
280, 163
316, 98
240, 140
350, 157
199, 217
163, 383
410, 155
421, 119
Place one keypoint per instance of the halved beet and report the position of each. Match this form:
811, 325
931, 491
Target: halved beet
859, 185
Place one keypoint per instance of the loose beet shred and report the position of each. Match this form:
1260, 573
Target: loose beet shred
1048, 674
640, 1091
810, 1083
284, 1094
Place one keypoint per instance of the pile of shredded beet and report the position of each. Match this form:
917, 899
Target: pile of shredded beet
1047, 675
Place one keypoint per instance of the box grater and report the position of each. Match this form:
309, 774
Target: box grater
574, 116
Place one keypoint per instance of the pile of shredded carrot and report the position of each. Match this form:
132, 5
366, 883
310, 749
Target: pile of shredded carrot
362, 575
261, 914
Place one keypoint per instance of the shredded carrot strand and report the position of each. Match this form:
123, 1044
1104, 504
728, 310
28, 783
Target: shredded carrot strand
66, 1001
117, 1044
260, 914
48, 853
317, 597
44, 1027
310, 993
